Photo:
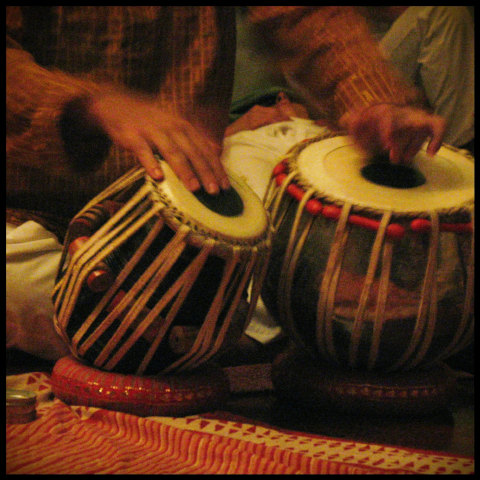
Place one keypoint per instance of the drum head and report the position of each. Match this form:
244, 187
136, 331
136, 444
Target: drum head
334, 167
236, 214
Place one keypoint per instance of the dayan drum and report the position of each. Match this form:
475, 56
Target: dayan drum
153, 277
372, 263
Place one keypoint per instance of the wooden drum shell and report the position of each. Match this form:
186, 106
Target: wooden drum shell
169, 272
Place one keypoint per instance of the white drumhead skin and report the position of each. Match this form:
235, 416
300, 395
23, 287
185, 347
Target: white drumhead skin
333, 166
252, 223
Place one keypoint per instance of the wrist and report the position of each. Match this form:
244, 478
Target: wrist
85, 142
381, 108
352, 117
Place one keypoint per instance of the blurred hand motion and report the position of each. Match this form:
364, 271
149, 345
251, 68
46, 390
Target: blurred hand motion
139, 126
398, 130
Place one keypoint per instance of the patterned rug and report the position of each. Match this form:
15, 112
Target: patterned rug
85, 440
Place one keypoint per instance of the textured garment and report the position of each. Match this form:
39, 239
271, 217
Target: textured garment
181, 56
329, 54
32, 258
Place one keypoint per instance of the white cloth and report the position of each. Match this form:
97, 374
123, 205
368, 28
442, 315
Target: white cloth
252, 155
433, 47
32, 258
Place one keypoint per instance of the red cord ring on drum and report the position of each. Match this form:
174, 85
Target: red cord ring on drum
421, 225
394, 230
315, 208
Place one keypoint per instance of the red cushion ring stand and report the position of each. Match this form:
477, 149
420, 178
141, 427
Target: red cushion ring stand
160, 395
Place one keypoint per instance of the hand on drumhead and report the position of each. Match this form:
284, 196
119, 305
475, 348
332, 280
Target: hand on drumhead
139, 126
398, 130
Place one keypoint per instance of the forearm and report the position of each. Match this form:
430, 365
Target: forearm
37, 102
329, 53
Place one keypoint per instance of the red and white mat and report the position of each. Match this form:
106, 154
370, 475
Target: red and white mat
68, 439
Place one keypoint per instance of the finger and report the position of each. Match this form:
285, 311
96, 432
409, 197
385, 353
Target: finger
142, 151
205, 157
401, 140
371, 131
408, 141
220, 173
182, 169
386, 132
176, 158
438, 128
283, 114
396, 153
151, 165
407, 136
358, 131
412, 149
205, 165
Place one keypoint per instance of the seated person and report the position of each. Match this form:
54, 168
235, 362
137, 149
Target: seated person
75, 123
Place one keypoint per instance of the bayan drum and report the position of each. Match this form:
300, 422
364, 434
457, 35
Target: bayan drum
372, 263
153, 277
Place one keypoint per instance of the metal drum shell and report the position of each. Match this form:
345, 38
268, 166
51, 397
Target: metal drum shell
401, 338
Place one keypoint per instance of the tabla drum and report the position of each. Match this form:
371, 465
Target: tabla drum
372, 264
153, 277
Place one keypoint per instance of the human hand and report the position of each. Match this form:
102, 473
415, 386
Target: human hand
142, 128
259, 116
398, 130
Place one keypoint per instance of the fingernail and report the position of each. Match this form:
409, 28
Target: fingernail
431, 152
393, 157
212, 188
225, 184
193, 184
157, 174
